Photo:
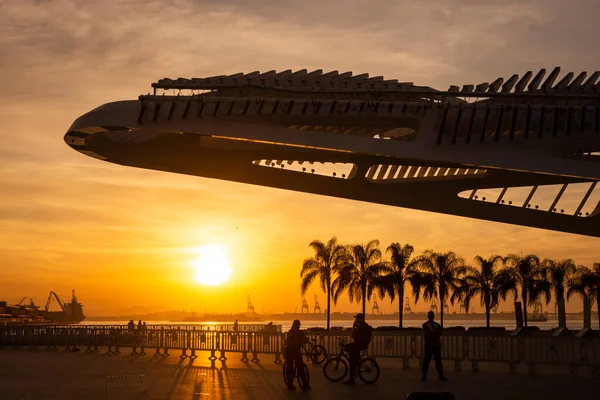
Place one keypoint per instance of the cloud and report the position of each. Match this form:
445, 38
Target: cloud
66, 218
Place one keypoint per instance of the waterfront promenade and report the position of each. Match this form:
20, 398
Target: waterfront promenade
259, 342
64, 375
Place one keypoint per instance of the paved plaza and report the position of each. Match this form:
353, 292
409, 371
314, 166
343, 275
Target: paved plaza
63, 375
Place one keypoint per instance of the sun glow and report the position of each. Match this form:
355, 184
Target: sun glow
212, 267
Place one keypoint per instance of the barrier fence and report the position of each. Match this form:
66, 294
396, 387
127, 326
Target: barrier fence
250, 341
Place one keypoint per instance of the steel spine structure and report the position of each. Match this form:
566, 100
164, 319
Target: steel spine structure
513, 151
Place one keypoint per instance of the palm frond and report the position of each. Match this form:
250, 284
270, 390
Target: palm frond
307, 280
309, 265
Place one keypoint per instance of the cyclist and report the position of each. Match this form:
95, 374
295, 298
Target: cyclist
361, 336
293, 354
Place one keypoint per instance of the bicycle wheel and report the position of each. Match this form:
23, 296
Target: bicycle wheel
303, 378
318, 354
368, 370
285, 375
305, 350
335, 369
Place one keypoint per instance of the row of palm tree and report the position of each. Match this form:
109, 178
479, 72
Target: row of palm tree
360, 271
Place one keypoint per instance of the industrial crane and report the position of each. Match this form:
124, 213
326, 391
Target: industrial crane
407, 309
317, 306
537, 307
304, 306
49, 302
434, 306
375, 310
250, 309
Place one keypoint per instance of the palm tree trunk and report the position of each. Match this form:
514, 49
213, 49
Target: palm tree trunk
587, 308
598, 305
364, 301
487, 315
562, 313
524, 296
400, 309
328, 305
442, 296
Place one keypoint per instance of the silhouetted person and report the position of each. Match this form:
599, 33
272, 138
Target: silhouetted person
130, 325
140, 325
432, 332
236, 325
144, 325
293, 354
361, 336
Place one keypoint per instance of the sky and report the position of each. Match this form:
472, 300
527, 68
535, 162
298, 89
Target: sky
125, 238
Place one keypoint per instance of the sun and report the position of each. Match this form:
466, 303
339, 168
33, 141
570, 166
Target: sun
212, 266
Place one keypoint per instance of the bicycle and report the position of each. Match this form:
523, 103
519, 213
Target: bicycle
336, 369
303, 381
314, 352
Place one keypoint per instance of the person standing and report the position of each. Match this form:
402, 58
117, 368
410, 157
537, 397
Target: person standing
361, 337
432, 333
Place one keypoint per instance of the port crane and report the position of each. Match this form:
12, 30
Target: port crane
375, 309
31, 305
304, 306
317, 306
49, 302
434, 306
250, 309
407, 309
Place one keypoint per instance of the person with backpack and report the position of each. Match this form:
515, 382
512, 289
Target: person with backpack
361, 337
293, 354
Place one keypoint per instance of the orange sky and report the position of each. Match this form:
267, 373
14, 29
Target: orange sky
124, 237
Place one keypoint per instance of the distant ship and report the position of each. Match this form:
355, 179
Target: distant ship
71, 312
536, 317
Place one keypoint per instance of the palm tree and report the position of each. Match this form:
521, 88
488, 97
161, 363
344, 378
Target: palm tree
527, 275
327, 261
586, 282
558, 274
360, 274
487, 281
440, 276
594, 283
400, 270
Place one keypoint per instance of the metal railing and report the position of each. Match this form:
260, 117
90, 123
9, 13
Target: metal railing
251, 341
